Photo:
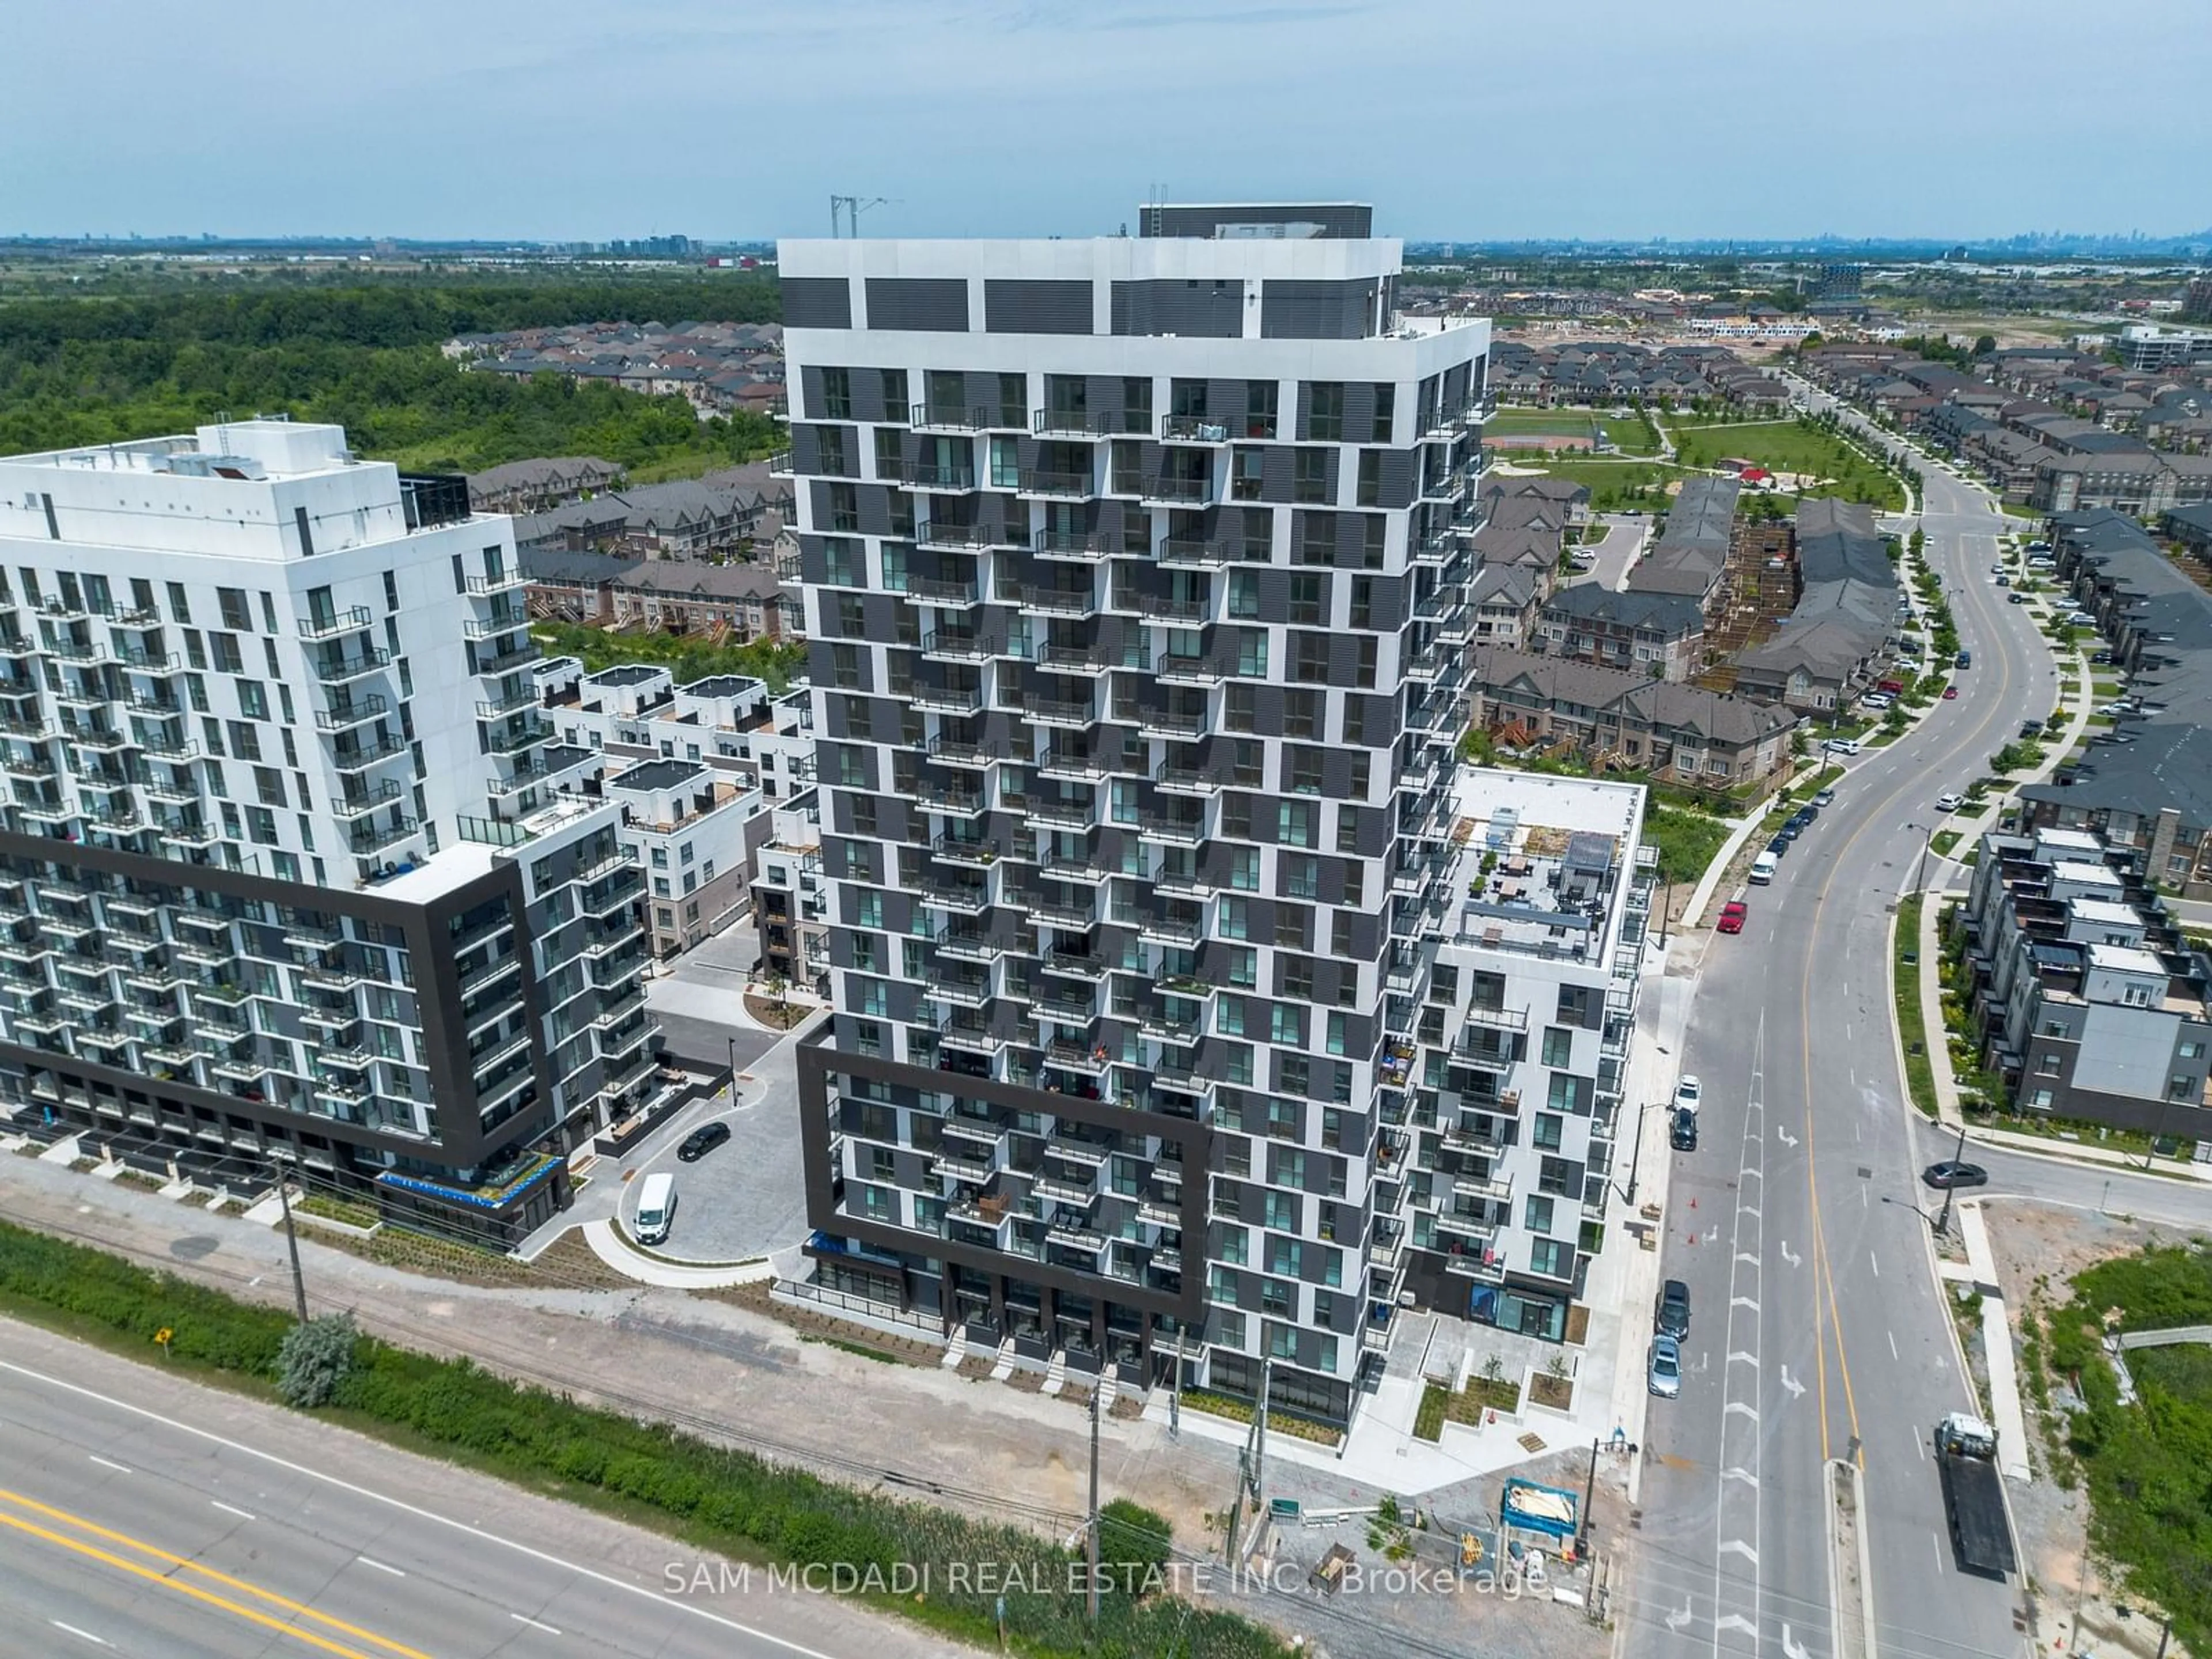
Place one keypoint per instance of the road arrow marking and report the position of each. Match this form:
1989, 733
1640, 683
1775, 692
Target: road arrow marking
1791, 1648
1787, 1138
1790, 1255
1679, 1621
1796, 1389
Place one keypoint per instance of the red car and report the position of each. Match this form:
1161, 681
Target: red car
1732, 916
1950, 693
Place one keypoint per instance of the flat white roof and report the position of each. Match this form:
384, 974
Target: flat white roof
1598, 804
2106, 910
2126, 959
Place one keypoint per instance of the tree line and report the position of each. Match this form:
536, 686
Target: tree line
105, 371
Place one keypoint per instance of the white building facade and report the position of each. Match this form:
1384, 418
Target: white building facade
287, 872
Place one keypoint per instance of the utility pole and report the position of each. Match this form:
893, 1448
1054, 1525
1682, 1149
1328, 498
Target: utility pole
1636, 1152
1950, 1193
1093, 1596
1259, 1429
292, 1244
1174, 1397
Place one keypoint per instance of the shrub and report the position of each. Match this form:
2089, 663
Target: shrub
313, 1359
1134, 1546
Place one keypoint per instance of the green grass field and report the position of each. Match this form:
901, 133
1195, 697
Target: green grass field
1786, 447
1541, 423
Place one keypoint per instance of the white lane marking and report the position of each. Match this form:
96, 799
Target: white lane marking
1743, 1474
1875, 1262
1740, 1358
1741, 1408
1751, 1210
1920, 1445
1743, 1302
404, 1508
120, 1469
1737, 1546
1746, 1256
1847, 988
1891, 1335
82, 1635
1734, 1621
524, 1618
1935, 1544
230, 1509
380, 1566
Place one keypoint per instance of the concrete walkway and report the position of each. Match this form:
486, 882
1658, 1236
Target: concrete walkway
617, 1252
1980, 1271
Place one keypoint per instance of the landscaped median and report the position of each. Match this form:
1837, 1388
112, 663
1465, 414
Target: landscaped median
1905, 984
647, 1473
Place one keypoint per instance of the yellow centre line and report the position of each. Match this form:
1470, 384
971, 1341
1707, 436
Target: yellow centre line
183, 1564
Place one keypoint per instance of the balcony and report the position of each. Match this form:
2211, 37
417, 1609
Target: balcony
493, 664
935, 797
1083, 1060
1169, 929
1077, 546
1179, 668
1056, 601
970, 1035
1169, 722
1056, 486
336, 668
360, 758
961, 752
967, 990
1077, 422
1078, 658
969, 944
1175, 490
1066, 1008
352, 621
962, 849
961, 898
344, 715
959, 537
951, 417
1188, 779
943, 589
947, 699
153, 665
953, 479
354, 805
1063, 814
1198, 553
368, 838
958, 645
1164, 607
1193, 430
1054, 711
186, 832
1077, 964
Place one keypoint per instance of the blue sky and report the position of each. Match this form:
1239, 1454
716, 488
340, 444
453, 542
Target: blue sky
586, 119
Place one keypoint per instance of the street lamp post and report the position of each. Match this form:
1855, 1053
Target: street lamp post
1951, 1192
734, 1070
1636, 1152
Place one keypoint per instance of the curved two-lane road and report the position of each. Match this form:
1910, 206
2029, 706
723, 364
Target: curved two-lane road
1819, 1332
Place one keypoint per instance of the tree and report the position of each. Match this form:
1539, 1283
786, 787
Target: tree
1985, 345
315, 1358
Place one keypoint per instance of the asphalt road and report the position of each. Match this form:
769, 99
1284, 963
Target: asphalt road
184, 1524
1818, 1330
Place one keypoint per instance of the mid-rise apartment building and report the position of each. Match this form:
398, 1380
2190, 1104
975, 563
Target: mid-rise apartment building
1514, 1067
2087, 1001
1135, 574
286, 875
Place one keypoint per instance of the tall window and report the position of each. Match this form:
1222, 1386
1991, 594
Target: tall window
1325, 412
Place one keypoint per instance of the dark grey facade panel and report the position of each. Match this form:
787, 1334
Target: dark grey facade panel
1304, 310
1196, 309
1030, 306
919, 305
816, 302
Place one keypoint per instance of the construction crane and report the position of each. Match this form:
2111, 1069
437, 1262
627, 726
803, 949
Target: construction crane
853, 207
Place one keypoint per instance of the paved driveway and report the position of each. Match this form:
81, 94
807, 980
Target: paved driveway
1622, 543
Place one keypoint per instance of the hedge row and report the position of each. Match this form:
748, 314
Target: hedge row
730, 1499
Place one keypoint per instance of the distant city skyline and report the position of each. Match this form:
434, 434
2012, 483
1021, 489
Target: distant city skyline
560, 121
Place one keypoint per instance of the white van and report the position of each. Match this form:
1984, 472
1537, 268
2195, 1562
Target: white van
656, 1208
1763, 868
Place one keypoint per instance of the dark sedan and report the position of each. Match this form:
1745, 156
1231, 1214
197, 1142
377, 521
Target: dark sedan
702, 1141
1949, 1174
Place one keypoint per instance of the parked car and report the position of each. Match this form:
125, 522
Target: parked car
1732, 917
2081, 619
2017, 599
1841, 746
702, 1141
1672, 1315
1688, 1090
1665, 1374
2031, 728
1682, 1135
1825, 797
1949, 1174
1876, 701
1949, 801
